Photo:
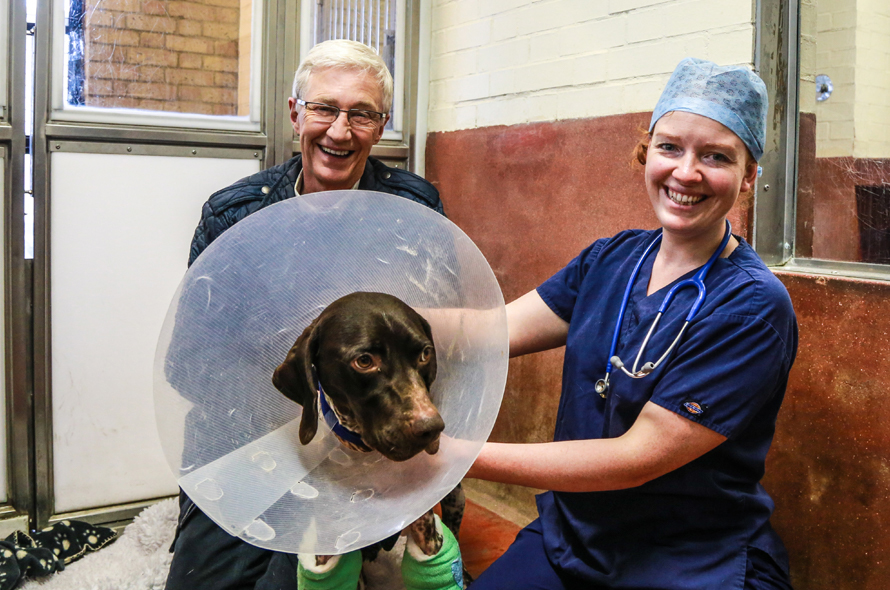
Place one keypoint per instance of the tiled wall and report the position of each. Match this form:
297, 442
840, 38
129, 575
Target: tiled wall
504, 62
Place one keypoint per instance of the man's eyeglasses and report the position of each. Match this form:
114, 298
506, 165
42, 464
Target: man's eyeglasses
328, 114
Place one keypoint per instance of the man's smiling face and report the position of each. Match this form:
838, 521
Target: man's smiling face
334, 154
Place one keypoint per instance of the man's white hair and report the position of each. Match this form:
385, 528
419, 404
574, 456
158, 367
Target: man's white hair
346, 55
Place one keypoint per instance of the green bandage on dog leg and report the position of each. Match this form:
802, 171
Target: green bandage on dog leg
341, 573
442, 571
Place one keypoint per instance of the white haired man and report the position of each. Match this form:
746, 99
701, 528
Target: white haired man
341, 100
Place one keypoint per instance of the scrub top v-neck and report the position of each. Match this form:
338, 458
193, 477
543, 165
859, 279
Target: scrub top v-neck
690, 528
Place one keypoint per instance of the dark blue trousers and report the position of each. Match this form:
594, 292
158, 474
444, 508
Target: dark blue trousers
205, 557
524, 566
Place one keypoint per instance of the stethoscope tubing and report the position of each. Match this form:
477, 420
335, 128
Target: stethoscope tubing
697, 281
626, 298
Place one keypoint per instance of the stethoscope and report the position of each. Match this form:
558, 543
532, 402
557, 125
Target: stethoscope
697, 281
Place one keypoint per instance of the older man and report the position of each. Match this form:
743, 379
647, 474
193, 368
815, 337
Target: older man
341, 100
342, 95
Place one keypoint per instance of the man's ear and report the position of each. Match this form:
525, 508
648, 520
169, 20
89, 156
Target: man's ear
294, 115
380, 129
294, 378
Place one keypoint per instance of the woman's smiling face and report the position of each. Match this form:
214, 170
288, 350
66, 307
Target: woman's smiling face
695, 170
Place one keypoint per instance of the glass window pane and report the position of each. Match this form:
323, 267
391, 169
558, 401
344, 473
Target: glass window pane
157, 55
372, 22
843, 207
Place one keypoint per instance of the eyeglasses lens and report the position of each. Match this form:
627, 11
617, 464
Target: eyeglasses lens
357, 118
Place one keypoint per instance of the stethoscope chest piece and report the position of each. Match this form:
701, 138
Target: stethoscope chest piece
601, 387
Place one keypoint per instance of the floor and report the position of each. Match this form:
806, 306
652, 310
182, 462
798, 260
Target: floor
484, 536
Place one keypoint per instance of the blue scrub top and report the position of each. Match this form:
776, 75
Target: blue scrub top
690, 528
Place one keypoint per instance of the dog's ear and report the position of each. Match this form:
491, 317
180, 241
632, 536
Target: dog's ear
295, 380
433, 367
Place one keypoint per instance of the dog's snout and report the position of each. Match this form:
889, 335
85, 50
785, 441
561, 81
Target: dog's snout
428, 427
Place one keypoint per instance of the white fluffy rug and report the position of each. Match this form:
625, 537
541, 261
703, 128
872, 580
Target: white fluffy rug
138, 560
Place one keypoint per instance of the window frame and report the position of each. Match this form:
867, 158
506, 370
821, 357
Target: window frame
268, 143
399, 79
777, 60
62, 112
402, 147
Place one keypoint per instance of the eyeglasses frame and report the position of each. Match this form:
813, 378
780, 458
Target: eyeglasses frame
304, 103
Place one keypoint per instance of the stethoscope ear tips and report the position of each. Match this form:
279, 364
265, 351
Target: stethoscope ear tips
616, 362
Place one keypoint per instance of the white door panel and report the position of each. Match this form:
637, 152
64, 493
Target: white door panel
120, 231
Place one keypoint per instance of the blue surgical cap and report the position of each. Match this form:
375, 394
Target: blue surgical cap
732, 95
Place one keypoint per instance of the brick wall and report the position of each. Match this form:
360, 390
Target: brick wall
873, 80
807, 52
164, 55
836, 58
505, 62
853, 49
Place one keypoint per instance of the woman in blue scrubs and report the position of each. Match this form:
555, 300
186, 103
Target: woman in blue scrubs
656, 482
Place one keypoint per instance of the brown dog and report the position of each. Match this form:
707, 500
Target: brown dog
373, 358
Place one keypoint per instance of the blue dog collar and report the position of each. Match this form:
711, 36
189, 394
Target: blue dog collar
330, 418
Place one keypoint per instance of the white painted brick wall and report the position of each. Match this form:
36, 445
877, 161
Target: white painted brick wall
852, 47
506, 62
872, 80
810, 22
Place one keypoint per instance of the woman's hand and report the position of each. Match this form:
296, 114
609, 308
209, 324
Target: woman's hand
659, 442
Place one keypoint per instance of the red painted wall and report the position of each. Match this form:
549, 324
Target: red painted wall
829, 468
532, 196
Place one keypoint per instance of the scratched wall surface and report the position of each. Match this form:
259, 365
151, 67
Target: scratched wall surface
532, 196
829, 469
829, 220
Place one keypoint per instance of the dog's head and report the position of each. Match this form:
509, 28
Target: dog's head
375, 359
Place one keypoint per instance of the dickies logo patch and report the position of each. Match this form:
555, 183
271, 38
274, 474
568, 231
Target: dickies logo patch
695, 408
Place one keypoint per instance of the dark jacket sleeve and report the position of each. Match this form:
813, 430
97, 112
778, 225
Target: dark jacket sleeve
230, 205
395, 181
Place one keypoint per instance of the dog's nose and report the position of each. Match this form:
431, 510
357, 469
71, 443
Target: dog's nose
428, 427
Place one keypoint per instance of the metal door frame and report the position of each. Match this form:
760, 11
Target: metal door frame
17, 272
777, 60
271, 143
29, 332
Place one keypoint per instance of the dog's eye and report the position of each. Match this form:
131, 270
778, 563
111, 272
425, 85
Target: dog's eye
426, 354
363, 362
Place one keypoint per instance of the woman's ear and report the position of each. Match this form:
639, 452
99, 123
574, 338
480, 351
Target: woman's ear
750, 177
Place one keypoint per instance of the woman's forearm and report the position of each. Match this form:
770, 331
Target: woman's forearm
567, 466
533, 326
658, 442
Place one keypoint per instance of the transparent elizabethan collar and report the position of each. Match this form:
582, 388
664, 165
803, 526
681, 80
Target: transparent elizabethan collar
232, 439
